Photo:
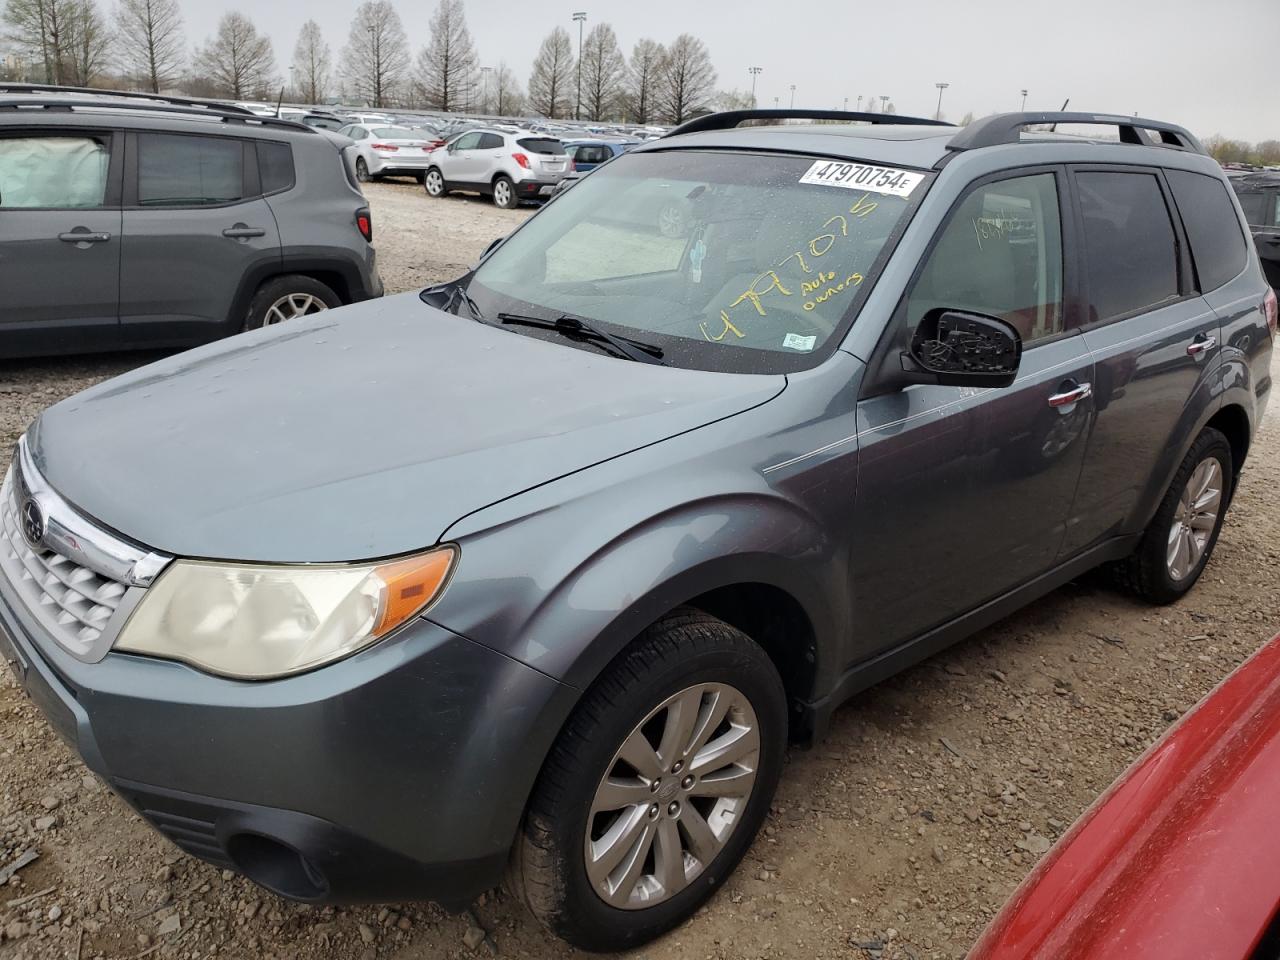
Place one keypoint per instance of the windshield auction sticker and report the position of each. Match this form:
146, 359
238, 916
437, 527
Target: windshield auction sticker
861, 176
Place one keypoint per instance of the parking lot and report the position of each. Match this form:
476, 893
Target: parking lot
897, 836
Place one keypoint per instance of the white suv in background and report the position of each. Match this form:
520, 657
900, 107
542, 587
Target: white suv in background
507, 166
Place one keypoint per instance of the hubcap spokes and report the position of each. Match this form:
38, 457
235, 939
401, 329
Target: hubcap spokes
293, 306
672, 795
1194, 519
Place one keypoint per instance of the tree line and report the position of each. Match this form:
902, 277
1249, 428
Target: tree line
143, 44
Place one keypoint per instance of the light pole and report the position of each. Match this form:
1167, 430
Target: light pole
846, 104
484, 86
580, 18
859, 103
793, 95
775, 103
755, 72
293, 81
1024, 101
941, 87
884, 103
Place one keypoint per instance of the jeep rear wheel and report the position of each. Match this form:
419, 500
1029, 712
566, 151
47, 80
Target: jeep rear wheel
656, 786
288, 298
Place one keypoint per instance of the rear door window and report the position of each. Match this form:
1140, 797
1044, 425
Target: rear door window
547, 145
54, 172
1130, 247
1217, 242
182, 171
490, 141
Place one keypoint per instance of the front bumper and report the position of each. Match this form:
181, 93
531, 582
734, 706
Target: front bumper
400, 773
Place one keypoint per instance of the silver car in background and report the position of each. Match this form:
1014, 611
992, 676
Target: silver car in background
383, 151
507, 166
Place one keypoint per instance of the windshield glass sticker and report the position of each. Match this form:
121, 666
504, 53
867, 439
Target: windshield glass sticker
863, 176
793, 341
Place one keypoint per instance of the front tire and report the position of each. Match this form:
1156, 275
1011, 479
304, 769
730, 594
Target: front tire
1178, 542
656, 787
504, 194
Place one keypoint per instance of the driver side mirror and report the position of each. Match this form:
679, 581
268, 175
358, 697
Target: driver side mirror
960, 349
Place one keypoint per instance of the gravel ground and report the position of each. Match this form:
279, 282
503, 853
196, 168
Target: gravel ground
908, 826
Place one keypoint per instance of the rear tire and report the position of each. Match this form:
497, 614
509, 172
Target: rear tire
362, 170
504, 194
287, 298
655, 788
1178, 542
433, 183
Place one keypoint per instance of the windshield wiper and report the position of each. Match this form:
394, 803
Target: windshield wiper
578, 329
460, 292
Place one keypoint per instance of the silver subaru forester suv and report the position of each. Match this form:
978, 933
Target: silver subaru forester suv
508, 166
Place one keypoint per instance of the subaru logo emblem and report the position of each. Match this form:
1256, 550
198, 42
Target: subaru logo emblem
32, 523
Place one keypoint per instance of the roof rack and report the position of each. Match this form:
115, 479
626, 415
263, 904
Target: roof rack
33, 88
728, 119
223, 115
1007, 128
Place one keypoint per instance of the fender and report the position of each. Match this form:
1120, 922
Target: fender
595, 592
293, 263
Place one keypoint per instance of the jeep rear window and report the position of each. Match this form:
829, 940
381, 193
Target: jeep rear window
727, 261
541, 145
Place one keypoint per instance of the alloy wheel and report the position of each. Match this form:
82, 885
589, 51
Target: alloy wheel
1194, 519
673, 793
292, 306
501, 193
362, 170
434, 183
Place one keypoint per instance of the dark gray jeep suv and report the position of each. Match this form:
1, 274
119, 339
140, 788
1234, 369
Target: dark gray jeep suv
131, 221
537, 571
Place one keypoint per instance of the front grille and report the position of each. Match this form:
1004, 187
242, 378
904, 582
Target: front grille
72, 602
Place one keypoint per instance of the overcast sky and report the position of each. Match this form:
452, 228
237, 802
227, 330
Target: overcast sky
1213, 67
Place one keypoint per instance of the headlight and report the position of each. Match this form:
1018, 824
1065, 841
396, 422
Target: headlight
254, 622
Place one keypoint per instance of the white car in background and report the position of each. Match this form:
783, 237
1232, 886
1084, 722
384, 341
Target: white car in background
383, 151
509, 167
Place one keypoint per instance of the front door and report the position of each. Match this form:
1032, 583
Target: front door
464, 163
195, 226
963, 493
59, 240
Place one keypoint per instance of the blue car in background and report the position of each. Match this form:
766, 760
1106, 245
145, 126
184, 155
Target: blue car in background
586, 155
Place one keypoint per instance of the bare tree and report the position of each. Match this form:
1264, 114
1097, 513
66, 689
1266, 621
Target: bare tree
551, 80
644, 69
604, 73
376, 57
447, 65
150, 40
311, 63
89, 43
45, 31
238, 60
733, 100
688, 81
507, 98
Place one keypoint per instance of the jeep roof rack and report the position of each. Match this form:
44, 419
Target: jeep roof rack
37, 88
68, 104
1007, 128
728, 119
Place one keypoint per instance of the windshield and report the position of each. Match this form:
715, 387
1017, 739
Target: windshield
726, 261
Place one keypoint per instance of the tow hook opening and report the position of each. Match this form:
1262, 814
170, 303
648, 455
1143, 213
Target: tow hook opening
277, 866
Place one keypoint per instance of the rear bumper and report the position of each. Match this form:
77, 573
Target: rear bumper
535, 189
393, 165
398, 774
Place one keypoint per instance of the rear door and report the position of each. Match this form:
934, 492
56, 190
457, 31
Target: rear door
1155, 341
59, 239
195, 225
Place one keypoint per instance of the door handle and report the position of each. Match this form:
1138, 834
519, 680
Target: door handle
1081, 391
1201, 345
241, 232
83, 236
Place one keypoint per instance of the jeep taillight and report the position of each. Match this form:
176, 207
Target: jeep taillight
521, 159
1272, 309
364, 223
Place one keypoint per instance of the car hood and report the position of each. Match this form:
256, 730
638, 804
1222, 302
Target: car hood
358, 433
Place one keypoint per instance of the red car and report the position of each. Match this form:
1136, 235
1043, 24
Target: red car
1180, 858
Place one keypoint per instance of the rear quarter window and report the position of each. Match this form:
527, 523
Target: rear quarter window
275, 167
1255, 208
1218, 244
